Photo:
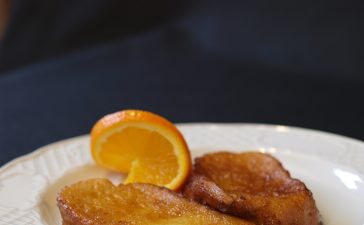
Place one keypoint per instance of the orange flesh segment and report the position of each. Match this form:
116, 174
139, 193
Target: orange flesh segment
146, 155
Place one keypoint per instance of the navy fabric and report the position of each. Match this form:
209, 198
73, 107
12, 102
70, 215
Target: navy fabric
41, 29
217, 62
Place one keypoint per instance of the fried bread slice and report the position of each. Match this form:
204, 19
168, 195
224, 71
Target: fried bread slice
99, 202
253, 186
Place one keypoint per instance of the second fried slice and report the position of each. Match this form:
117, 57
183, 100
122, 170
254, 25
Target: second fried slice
253, 186
99, 202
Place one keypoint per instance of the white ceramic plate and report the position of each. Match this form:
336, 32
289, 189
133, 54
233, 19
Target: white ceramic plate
332, 167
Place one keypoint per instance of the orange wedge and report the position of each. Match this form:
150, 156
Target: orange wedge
147, 146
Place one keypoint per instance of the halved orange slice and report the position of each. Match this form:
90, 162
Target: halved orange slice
147, 146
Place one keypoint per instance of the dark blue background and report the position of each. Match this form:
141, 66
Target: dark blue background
282, 62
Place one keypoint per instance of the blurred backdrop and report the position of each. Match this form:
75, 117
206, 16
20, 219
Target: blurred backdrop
64, 64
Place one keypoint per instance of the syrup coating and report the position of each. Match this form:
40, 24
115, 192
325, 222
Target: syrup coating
99, 202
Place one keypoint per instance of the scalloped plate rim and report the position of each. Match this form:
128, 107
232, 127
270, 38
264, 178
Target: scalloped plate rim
44, 148
258, 129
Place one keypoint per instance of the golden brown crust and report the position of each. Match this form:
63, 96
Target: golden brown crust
98, 202
253, 186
